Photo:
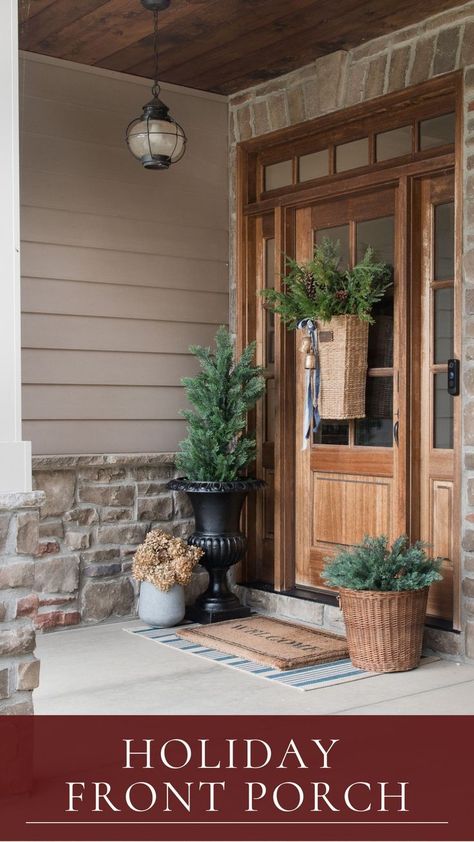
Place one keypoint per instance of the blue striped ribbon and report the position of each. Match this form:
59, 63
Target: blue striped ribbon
312, 384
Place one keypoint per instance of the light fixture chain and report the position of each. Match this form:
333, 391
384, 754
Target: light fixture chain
156, 86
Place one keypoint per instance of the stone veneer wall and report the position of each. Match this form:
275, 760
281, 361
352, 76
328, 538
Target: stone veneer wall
438, 45
19, 538
96, 510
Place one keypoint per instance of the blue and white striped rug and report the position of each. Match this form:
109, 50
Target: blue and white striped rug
304, 678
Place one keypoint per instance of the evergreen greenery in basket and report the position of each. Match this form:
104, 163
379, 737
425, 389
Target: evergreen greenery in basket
217, 448
374, 565
319, 289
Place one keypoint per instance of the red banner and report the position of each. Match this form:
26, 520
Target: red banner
236, 778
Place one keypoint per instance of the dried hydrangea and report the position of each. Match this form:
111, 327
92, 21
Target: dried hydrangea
165, 561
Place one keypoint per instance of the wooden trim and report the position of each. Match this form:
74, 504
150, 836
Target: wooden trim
366, 461
458, 311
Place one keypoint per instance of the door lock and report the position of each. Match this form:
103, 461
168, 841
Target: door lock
453, 377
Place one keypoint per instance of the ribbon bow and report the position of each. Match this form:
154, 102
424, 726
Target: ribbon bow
312, 384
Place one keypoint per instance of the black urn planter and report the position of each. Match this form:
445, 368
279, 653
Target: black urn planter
217, 507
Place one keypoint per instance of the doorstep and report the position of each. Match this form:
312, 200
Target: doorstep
307, 607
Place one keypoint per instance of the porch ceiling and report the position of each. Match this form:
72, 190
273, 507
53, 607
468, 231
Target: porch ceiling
214, 45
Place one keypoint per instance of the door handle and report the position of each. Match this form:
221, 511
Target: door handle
395, 431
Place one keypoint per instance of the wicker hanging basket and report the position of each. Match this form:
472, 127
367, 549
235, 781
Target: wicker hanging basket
384, 628
343, 345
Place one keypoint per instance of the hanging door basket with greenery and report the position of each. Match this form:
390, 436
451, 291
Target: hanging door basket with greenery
383, 592
335, 307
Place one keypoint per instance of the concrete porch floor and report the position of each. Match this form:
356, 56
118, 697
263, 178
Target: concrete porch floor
104, 670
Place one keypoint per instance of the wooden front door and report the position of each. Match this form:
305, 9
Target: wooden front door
346, 478
392, 472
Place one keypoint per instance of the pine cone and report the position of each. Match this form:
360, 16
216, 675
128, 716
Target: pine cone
310, 284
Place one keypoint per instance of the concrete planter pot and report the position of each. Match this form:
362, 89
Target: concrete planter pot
161, 608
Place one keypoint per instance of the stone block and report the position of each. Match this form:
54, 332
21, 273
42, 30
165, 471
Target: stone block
27, 606
53, 619
98, 570
27, 535
48, 548
421, 68
14, 708
152, 487
375, 81
333, 619
446, 50
130, 533
113, 515
470, 639
154, 473
183, 529
16, 574
397, 72
155, 508
108, 495
448, 643
468, 587
18, 639
3, 612
468, 540
51, 529
182, 506
467, 47
4, 683
100, 600
28, 675
356, 75
59, 599
261, 117
296, 109
244, 124
98, 556
77, 540
82, 515
469, 423
4, 525
469, 381
59, 489
469, 563
278, 111
57, 575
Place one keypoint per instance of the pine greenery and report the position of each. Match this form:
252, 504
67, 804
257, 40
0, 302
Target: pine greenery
375, 566
217, 448
319, 290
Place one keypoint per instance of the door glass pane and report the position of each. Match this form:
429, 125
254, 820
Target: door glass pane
443, 324
278, 175
315, 165
332, 432
379, 233
353, 154
438, 131
393, 144
376, 430
340, 234
444, 242
443, 413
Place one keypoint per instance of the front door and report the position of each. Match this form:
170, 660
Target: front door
392, 472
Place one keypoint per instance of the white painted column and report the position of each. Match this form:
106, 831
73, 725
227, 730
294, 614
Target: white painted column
15, 454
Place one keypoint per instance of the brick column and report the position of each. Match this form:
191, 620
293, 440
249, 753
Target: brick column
19, 542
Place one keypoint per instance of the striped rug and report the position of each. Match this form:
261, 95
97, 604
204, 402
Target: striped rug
303, 678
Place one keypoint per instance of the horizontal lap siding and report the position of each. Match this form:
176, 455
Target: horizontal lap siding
122, 269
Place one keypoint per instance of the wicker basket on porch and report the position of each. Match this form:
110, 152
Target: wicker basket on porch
343, 344
384, 628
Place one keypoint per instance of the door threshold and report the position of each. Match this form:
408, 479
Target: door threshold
322, 598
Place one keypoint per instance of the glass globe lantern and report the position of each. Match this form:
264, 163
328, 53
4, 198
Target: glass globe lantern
154, 138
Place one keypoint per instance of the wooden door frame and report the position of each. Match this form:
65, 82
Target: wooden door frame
251, 204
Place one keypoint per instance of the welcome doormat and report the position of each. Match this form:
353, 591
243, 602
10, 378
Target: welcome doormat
270, 642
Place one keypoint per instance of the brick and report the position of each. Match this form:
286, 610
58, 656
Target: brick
4, 683
27, 535
77, 540
19, 639
397, 72
155, 508
130, 533
57, 575
97, 570
28, 675
446, 50
468, 540
82, 515
51, 529
27, 605
113, 515
59, 489
48, 548
296, 109
108, 495
261, 117
53, 619
375, 82
60, 599
100, 600
243, 116
16, 574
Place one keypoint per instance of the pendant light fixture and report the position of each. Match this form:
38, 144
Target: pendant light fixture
154, 138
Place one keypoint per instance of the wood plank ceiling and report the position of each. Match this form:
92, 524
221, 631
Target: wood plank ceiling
214, 45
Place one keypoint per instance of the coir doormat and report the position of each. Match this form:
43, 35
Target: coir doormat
271, 642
